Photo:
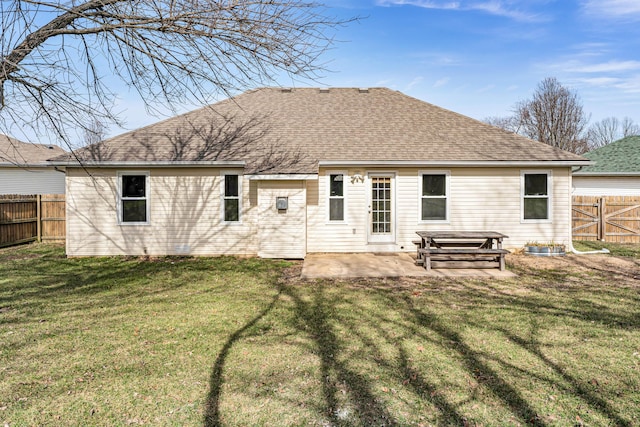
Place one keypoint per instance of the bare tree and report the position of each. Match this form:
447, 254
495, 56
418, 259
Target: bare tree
554, 115
59, 57
94, 132
629, 128
610, 129
508, 123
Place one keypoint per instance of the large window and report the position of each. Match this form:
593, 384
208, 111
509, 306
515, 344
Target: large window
433, 196
535, 203
231, 198
134, 194
336, 197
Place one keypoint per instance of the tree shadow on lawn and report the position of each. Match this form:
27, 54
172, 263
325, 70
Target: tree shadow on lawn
46, 284
216, 380
322, 317
45, 279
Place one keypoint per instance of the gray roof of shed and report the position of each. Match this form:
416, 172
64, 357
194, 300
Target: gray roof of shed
17, 153
278, 130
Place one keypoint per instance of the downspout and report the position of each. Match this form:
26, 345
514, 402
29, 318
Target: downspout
571, 248
577, 252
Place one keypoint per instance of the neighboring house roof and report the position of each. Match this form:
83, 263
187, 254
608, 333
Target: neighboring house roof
17, 153
621, 157
284, 131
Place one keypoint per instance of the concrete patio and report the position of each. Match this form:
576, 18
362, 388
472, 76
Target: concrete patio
387, 264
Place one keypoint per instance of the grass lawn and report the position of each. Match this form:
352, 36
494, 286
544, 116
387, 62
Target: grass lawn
239, 342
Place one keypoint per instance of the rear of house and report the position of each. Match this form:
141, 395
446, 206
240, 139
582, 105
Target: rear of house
282, 173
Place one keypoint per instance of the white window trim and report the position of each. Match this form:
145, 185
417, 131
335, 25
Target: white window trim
447, 196
345, 179
223, 174
147, 197
549, 196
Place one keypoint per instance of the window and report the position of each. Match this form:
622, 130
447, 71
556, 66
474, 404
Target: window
433, 196
536, 195
336, 197
134, 206
231, 198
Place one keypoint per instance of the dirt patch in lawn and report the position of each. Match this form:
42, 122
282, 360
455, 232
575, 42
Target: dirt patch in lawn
612, 266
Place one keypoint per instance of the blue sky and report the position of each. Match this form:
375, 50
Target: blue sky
479, 57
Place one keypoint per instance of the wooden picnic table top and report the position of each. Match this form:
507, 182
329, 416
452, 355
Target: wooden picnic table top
461, 235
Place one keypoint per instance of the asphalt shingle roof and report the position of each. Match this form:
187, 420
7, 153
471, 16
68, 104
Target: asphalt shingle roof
289, 130
17, 153
621, 156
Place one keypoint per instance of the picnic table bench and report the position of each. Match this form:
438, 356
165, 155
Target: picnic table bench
451, 248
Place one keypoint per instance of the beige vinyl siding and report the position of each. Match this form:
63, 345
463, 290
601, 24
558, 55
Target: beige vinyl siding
16, 180
282, 234
480, 199
606, 186
349, 235
185, 215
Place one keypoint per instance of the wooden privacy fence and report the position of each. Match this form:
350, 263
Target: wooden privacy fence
31, 218
611, 219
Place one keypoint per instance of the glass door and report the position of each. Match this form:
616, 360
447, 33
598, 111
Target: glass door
381, 208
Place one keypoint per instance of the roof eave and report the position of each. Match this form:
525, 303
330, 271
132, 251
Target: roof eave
617, 174
151, 164
26, 165
283, 177
455, 163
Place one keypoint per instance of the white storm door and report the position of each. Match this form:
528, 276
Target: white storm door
382, 216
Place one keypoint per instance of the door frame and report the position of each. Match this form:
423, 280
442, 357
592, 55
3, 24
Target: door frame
383, 238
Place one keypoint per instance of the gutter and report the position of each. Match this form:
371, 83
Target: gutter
620, 174
283, 177
455, 163
150, 164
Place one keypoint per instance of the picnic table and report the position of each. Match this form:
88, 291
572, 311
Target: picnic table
454, 247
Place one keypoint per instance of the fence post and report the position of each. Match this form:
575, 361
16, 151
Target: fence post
39, 217
602, 222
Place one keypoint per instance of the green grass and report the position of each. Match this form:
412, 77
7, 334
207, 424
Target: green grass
225, 341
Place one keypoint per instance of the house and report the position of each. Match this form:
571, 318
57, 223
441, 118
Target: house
285, 172
615, 172
24, 170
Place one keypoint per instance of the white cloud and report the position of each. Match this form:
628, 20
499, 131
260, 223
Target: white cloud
598, 81
616, 86
416, 81
493, 7
630, 85
441, 82
627, 9
383, 83
486, 88
604, 67
578, 64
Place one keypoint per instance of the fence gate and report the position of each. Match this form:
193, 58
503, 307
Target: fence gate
611, 219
